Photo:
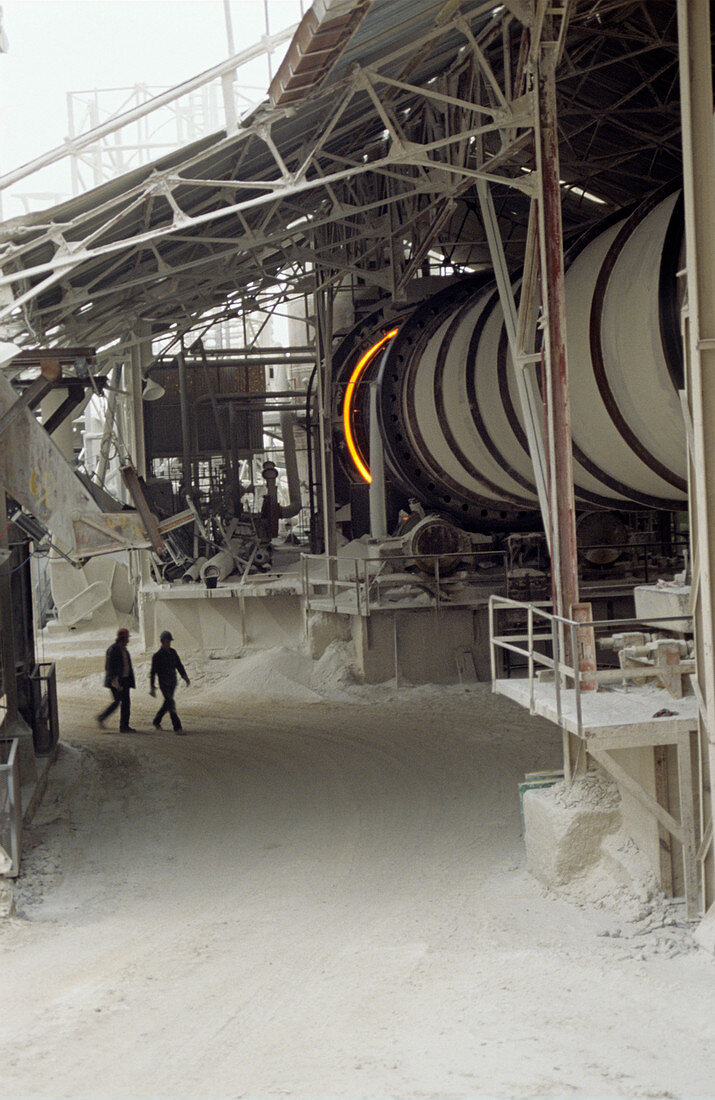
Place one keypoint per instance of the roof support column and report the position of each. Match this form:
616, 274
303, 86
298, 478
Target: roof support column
562, 505
138, 361
696, 98
187, 458
105, 446
560, 454
137, 358
530, 400
324, 344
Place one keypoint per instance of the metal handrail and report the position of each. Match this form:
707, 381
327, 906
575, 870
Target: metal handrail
562, 672
11, 804
366, 572
538, 605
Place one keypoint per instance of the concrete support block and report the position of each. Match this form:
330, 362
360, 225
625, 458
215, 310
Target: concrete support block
564, 827
663, 601
623, 864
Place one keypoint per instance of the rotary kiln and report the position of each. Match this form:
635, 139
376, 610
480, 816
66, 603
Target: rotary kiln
448, 408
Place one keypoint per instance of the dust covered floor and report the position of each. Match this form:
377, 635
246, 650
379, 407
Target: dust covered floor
326, 897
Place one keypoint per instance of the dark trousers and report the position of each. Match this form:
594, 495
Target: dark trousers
120, 698
168, 706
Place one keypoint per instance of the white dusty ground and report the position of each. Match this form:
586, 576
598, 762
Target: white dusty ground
320, 892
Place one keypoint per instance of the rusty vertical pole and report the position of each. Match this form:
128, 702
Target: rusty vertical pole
564, 566
563, 508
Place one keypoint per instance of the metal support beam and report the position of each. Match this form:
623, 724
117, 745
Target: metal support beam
228, 79
563, 507
131, 480
75, 396
141, 358
185, 427
324, 342
696, 96
529, 398
378, 516
108, 431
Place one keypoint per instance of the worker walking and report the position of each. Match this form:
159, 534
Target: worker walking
164, 666
119, 678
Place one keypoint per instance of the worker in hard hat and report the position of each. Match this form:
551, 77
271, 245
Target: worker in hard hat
165, 664
119, 678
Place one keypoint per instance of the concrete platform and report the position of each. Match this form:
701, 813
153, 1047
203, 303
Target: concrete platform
613, 717
408, 636
618, 718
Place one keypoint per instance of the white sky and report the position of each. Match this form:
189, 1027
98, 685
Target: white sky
57, 46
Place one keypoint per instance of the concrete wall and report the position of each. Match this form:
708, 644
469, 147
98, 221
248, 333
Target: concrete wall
662, 851
420, 645
639, 823
224, 625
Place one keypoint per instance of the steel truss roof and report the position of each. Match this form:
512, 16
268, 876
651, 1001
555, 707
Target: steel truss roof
364, 175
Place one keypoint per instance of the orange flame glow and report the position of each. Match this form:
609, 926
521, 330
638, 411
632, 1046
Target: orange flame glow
360, 367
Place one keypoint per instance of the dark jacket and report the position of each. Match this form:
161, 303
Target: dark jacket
164, 666
113, 664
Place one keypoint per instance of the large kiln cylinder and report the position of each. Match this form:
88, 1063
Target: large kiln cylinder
448, 402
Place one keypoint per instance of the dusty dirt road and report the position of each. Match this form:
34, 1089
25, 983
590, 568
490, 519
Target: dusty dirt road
326, 900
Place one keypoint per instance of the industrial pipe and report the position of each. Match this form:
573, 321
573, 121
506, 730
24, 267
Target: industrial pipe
294, 505
286, 422
220, 566
193, 573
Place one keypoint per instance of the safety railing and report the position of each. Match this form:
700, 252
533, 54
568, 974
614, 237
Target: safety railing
357, 584
45, 719
564, 650
10, 808
639, 561
643, 556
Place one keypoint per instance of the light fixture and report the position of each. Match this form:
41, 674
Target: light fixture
152, 390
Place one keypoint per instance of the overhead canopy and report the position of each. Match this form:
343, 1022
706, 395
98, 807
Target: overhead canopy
363, 171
